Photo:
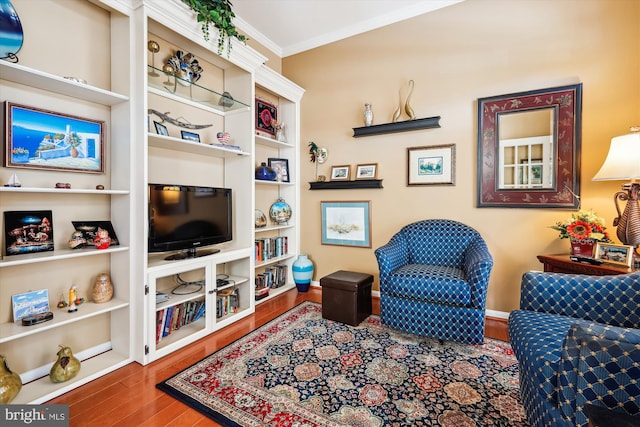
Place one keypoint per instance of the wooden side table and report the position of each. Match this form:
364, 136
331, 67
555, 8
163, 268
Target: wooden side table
563, 264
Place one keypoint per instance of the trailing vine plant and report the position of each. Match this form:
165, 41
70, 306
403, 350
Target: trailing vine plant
218, 13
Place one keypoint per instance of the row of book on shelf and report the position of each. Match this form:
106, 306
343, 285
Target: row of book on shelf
272, 277
227, 302
172, 318
271, 247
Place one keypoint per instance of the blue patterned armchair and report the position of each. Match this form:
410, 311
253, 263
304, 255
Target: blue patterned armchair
434, 276
577, 342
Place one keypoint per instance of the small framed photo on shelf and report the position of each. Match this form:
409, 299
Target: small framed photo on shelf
614, 254
367, 171
28, 232
30, 304
340, 173
41, 139
346, 223
266, 118
190, 136
161, 129
89, 230
281, 168
432, 165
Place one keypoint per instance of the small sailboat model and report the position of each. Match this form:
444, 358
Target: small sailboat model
13, 181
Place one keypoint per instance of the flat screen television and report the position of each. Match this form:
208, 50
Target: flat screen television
185, 218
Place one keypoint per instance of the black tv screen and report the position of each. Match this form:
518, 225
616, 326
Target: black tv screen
183, 217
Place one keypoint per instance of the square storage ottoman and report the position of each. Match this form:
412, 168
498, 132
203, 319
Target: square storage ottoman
346, 296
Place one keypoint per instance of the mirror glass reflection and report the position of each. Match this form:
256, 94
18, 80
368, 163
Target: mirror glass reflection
526, 147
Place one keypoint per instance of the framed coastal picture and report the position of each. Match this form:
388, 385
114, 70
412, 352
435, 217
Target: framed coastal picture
28, 232
432, 165
340, 173
190, 136
614, 254
346, 223
41, 139
367, 171
29, 304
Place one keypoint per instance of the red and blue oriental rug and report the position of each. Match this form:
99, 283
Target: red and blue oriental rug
303, 370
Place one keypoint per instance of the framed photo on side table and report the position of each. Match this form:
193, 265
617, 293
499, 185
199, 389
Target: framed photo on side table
41, 139
433, 165
281, 168
346, 223
614, 254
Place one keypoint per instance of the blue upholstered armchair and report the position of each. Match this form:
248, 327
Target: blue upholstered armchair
433, 280
577, 342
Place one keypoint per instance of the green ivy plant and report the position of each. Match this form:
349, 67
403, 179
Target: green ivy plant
218, 13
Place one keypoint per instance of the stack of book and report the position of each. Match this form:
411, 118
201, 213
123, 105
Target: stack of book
228, 301
272, 277
172, 318
271, 247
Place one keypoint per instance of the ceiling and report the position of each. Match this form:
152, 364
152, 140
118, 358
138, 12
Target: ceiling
287, 27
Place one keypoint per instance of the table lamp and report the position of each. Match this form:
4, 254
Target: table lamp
623, 164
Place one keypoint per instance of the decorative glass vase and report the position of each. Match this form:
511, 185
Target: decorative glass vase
302, 269
582, 247
265, 173
368, 115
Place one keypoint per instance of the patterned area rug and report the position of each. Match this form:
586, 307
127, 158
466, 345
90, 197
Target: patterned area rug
303, 370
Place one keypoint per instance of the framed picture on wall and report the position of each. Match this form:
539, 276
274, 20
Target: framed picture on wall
346, 223
432, 165
367, 171
340, 173
41, 139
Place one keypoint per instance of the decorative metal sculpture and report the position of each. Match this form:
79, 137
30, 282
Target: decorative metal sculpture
166, 118
407, 107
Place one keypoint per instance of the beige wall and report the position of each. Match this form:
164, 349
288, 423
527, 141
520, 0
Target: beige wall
473, 49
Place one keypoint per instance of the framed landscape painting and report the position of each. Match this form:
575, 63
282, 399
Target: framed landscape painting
41, 139
346, 223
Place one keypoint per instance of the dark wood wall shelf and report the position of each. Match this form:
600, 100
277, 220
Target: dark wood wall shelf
408, 125
345, 185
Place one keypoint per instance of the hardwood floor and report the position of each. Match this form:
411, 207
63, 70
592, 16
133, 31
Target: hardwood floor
128, 396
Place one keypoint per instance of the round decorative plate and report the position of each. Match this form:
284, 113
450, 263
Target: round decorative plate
261, 219
280, 211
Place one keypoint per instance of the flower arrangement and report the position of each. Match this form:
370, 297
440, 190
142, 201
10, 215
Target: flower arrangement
583, 225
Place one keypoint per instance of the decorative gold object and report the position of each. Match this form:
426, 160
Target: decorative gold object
153, 47
10, 382
407, 108
398, 113
103, 288
66, 367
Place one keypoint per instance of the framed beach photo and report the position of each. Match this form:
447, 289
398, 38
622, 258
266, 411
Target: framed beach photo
29, 304
346, 223
281, 168
614, 254
160, 128
42, 139
190, 136
433, 165
340, 173
367, 171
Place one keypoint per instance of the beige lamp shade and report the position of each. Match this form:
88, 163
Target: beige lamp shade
623, 161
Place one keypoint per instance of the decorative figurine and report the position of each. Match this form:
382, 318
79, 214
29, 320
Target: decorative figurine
279, 127
226, 100
62, 303
10, 382
368, 115
103, 288
72, 300
77, 240
223, 137
66, 367
102, 240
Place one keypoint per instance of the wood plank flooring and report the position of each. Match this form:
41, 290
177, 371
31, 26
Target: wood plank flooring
128, 396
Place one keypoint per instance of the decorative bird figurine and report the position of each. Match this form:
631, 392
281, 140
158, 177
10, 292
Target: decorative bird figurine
10, 382
66, 367
398, 112
407, 108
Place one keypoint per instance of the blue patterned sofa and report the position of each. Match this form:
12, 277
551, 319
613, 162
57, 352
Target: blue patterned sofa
434, 276
577, 342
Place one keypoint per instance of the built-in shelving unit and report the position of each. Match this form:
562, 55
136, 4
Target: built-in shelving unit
99, 334
345, 185
406, 126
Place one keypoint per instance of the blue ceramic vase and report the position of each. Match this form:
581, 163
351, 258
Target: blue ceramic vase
302, 269
265, 173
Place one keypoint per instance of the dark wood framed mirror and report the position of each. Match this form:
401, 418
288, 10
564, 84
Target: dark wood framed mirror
529, 149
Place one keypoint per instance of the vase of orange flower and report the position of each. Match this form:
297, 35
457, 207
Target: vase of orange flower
584, 229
